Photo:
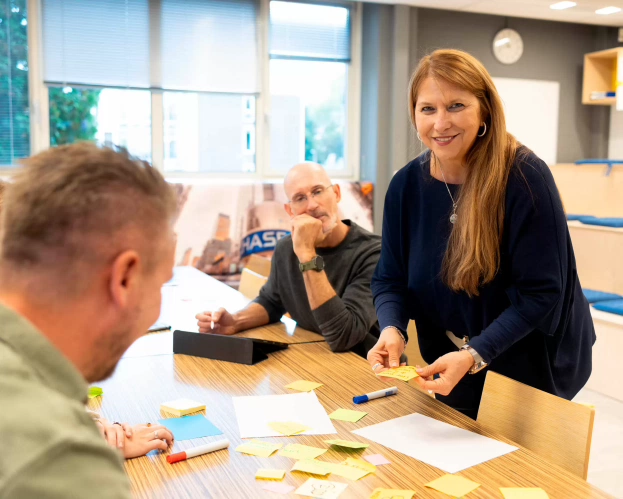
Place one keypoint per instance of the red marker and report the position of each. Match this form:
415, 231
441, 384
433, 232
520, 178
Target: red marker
197, 451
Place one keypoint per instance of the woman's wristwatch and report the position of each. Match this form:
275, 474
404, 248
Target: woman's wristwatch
479, 363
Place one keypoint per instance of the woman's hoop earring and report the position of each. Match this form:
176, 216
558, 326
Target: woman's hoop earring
484, 131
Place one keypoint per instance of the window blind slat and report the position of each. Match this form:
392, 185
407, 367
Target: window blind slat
210, 45
205, 45
96, 42
311, 31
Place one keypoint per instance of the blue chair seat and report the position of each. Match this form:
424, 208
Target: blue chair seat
604, 222
597, 296
611, 306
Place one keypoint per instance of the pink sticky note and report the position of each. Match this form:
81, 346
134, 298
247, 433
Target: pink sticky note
279, 488
376, 459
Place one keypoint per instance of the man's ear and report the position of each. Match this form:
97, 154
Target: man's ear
288, 209
338, 192
125, 270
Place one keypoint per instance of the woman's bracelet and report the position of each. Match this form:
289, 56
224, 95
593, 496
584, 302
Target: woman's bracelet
398, 331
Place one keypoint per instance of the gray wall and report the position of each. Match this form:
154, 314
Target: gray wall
552, 51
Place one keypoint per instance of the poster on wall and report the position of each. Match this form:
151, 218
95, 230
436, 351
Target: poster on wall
222, 224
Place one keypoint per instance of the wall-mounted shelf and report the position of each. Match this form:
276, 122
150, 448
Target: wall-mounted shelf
600, 75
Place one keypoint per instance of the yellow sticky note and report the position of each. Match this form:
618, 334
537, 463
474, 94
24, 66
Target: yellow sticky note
360, 464
258, 448
181, 407
523, 493
347, 415
345, 471
403, 373
453, 485
300, 451
269, 474
288, 428
348, 444
311, 466
392, 494
304, 386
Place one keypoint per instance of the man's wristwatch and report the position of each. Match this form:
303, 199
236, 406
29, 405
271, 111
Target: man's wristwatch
479, 363
316, 263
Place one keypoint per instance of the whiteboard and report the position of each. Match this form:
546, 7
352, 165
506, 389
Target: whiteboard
531, 108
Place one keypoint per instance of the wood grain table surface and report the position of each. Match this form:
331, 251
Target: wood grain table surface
140, 384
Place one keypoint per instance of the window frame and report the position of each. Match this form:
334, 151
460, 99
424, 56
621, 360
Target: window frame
40, 115
353, 96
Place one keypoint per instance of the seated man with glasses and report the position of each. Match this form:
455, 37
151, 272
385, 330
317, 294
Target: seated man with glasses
320, 274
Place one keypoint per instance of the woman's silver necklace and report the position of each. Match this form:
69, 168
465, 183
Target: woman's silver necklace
453, 217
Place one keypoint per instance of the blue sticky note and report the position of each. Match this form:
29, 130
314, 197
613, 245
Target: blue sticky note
189, 427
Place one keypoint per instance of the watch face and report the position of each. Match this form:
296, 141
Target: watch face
319, 263
507, 46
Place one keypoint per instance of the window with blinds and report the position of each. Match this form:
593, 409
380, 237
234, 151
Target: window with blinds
309, 31
104, 58
191, 45
310, 52
14, 104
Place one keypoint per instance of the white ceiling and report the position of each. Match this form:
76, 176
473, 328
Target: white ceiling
583, 12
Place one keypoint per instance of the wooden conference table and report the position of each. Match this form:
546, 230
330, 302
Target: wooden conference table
143, 381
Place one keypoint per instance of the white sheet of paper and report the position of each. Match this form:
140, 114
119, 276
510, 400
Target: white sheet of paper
442, 445
254, 414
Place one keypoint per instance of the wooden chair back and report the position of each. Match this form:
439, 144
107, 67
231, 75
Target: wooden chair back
554, 428
251, 283
259, 265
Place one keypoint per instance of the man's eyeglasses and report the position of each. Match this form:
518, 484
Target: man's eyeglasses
299, 201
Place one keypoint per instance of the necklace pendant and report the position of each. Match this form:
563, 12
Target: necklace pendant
453, 218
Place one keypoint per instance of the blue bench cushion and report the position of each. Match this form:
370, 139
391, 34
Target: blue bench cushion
604, 222
612, 306
570, 216
596, 296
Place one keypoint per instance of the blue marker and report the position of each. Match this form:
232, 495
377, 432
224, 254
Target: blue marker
376, 395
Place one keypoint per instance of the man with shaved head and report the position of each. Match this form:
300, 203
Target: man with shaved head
320, 274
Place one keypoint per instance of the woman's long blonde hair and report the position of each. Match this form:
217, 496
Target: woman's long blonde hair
473, 254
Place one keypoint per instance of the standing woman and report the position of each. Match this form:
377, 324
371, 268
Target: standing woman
476, 248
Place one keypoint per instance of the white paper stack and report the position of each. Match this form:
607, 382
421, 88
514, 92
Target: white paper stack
254, 414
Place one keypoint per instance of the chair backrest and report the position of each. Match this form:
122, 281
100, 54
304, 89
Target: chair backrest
251, 283
554, 428
259, 265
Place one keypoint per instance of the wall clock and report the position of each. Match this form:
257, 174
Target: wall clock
507, 46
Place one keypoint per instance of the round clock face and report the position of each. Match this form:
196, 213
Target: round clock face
507, 46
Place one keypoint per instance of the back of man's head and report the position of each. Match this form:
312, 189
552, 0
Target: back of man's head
73, 208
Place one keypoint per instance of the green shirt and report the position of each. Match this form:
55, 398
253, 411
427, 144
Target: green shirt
50, 446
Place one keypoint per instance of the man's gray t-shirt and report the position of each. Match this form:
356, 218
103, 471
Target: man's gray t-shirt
348, 320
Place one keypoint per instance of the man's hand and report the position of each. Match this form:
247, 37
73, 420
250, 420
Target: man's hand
450, 367
387, 351
145, 438
219, 322
306, 235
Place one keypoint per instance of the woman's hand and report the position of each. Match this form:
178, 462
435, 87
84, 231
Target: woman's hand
145, 438
115, 434
387, 351
450, 367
